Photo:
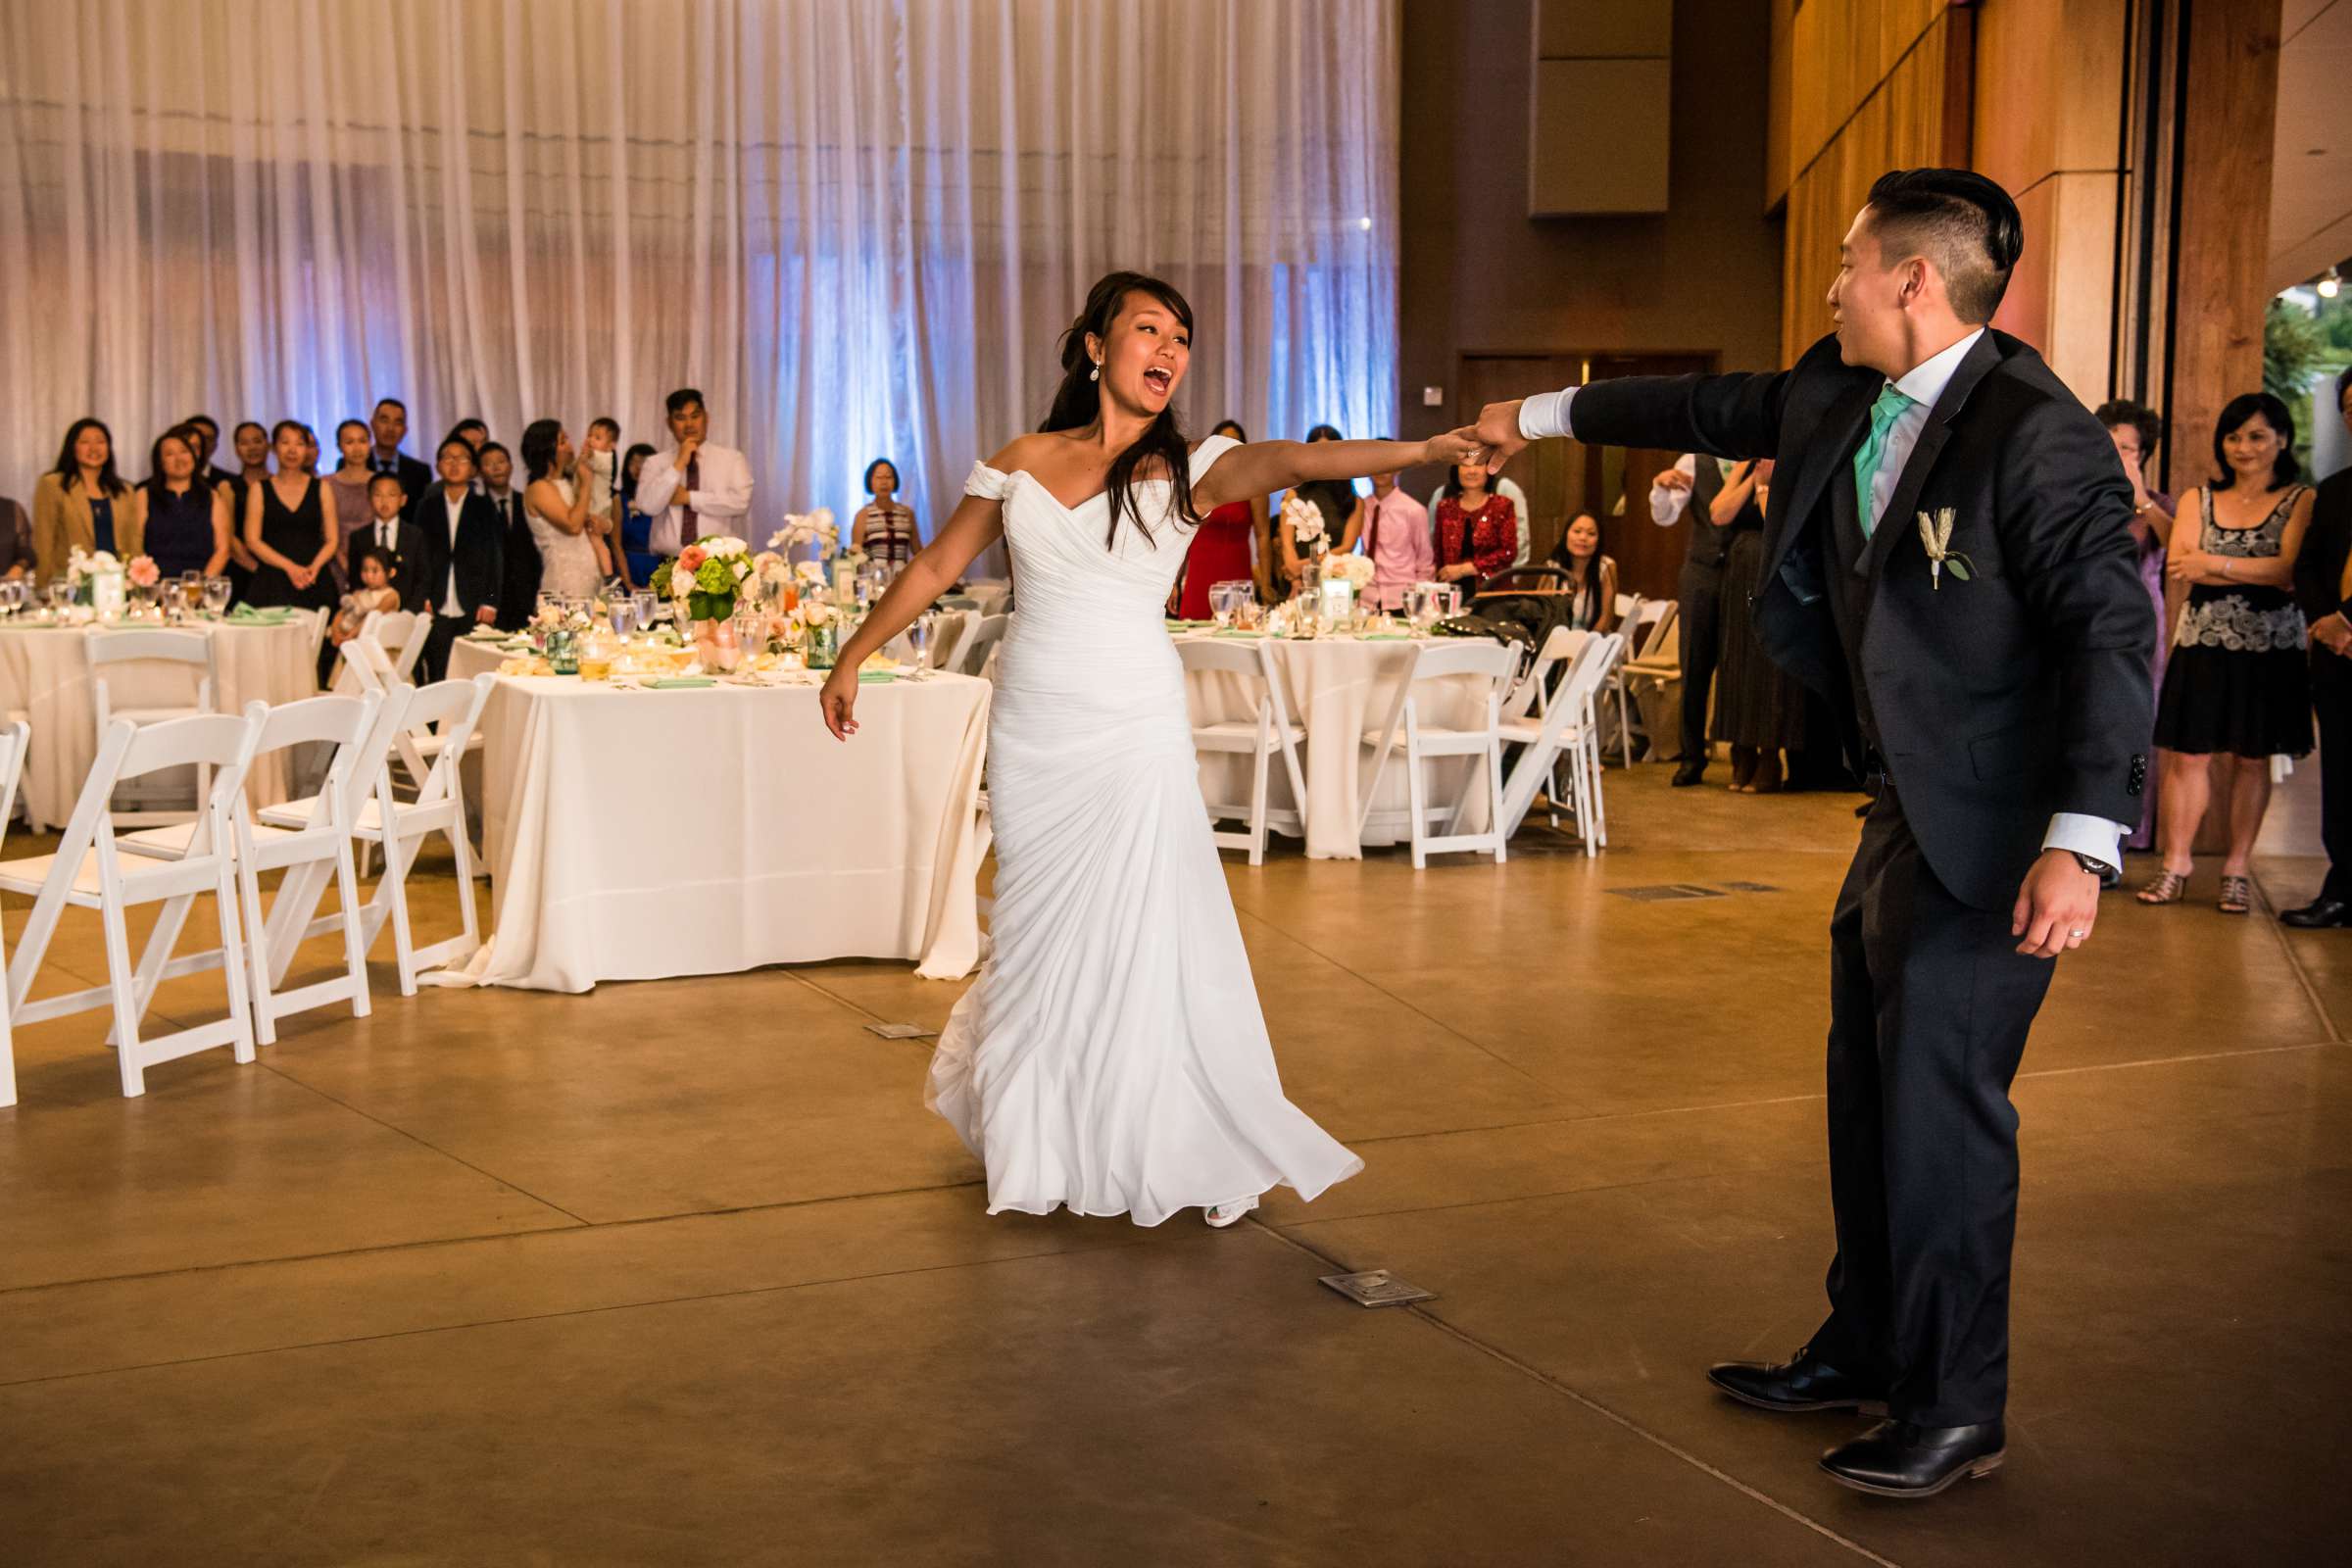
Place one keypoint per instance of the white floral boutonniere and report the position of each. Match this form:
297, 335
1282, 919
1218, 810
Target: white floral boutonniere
1936, 532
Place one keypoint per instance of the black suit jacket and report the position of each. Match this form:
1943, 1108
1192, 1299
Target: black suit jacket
2327, 543
478, 551
1990, 703
519, 588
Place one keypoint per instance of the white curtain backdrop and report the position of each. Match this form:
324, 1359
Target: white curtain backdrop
858, 225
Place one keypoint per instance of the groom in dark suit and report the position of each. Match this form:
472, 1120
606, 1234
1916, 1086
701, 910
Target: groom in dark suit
1950, 558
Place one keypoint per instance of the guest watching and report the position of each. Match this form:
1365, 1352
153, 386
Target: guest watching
1229, 546
1397, 538
81, 503
463, 556
697, 488
349, 485
208, 435
884, 528
252, 443
389, 533
1478, 531
390, 424
518, 566
2135, 428
555, 502
377, 590
183, 523
16, 538
1507, 488
1690, 486
1761, 709
1592, 582
597, 472
1343, 522
2239, 683
637, 558
474, 433
2324, 590
291, 527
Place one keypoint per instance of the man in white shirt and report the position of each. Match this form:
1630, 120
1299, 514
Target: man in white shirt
1948, 555
696, 489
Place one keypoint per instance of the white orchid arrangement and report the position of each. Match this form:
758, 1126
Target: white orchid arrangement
809, 573
1356, 569
83, 564
1303, 518
807, 528
772, 571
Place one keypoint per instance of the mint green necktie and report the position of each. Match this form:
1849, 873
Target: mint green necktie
1882, 415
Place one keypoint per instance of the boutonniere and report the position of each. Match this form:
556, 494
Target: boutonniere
1936, 532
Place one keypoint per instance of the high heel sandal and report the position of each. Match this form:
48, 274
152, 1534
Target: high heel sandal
2166, 887
2237, 895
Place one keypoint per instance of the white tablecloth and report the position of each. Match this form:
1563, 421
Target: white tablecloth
46, 674
1339, 688
640, 835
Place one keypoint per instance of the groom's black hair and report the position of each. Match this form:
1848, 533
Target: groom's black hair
1957, 219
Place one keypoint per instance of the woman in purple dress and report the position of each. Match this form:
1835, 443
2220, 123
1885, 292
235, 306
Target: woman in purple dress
2136, 429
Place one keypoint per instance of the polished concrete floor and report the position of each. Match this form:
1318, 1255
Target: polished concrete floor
682, 1273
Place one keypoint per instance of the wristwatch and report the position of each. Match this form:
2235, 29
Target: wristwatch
2096, 866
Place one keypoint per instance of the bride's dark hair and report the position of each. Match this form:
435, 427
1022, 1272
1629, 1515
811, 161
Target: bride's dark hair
1078, 402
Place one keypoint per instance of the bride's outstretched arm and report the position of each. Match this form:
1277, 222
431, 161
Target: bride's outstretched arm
974, 526
1262, 466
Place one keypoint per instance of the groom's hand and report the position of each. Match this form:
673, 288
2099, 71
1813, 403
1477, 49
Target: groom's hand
1497, 429
2056, 908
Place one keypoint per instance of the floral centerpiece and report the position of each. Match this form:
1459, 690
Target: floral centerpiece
816, 528
1345, 579
821, 624
701, 586
1304, 520
95, 578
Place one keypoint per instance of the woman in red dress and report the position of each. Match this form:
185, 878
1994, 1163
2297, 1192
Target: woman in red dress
1478, 530
1225, 548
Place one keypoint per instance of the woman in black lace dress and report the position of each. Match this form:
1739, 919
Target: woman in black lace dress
2237, 683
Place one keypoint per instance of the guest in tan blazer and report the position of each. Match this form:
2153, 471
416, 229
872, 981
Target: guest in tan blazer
82, 502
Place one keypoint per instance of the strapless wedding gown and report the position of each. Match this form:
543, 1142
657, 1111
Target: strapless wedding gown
1111, 1057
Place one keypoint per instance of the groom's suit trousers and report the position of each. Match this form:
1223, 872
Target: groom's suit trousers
1930, 1004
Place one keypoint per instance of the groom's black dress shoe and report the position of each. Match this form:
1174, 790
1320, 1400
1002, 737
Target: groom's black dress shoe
1898, 1459
1689, 775
1804, 1383
2321, 913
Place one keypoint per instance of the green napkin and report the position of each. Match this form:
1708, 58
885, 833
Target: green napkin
1384, 637
876, 678
1237, 633
247, 615
672, 683
1189, 625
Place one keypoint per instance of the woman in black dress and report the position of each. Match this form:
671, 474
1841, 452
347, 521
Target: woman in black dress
1759, 710
183, 520
2237, 683
291, 529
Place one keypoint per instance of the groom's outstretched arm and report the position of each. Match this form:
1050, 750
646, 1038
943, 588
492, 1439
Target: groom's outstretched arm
1735, 415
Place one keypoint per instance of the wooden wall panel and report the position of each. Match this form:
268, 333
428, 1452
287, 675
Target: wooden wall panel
1840, 52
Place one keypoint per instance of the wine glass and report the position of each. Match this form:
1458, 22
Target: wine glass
622, 611
217, 592
647, 602
918, 641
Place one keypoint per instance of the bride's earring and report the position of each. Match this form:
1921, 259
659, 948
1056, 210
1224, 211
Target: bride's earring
1096, 375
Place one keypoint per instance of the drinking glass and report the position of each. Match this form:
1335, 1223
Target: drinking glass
191, 591
217, 592
621, 610
647, 602
918, 640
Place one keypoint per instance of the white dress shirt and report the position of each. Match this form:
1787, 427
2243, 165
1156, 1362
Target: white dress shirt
1666, 506
1504, 488
724, 494
455, 508
1547, 415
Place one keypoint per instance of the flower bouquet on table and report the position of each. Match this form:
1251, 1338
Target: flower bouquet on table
701, 586
95, 578
1345, 581
820, 626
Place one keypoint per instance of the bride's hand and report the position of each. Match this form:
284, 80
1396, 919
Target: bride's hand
1455, 446
838, 701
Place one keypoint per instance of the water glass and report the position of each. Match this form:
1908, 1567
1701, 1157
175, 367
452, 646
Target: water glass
622, 609
217, 594
191, 591
918, 641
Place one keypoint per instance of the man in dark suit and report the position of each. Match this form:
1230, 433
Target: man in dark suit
1949, 560
391, 532
464, 548
2324, 588
519, 583
1691, 486
389, 425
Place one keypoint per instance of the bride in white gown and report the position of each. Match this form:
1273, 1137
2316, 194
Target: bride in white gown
1111, 1058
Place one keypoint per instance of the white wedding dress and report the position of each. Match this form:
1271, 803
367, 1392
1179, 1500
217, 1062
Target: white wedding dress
1111, 1058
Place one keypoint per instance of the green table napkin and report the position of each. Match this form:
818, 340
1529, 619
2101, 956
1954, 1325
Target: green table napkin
1238, 634
876, 678
672, 683
247, 615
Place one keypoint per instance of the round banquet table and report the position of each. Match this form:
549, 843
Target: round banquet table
641, 834
46, 674
1338, 687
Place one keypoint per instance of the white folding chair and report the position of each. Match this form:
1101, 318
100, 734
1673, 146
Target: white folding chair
1647, 631
107, 651
1268, 731
398, 636
14, 742
1534, 689
446, 711
1566, 732
309, 856
89, 871
971, 654
1490, 663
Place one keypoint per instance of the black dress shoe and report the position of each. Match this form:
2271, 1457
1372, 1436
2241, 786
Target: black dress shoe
1898, 1459
1802, 1383
2320, 914
1689, 773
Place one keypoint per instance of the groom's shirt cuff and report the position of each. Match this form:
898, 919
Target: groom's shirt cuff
1544, 416
2095, 836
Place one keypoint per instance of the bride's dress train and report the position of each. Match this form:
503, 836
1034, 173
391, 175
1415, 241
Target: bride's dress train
1111, 1058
